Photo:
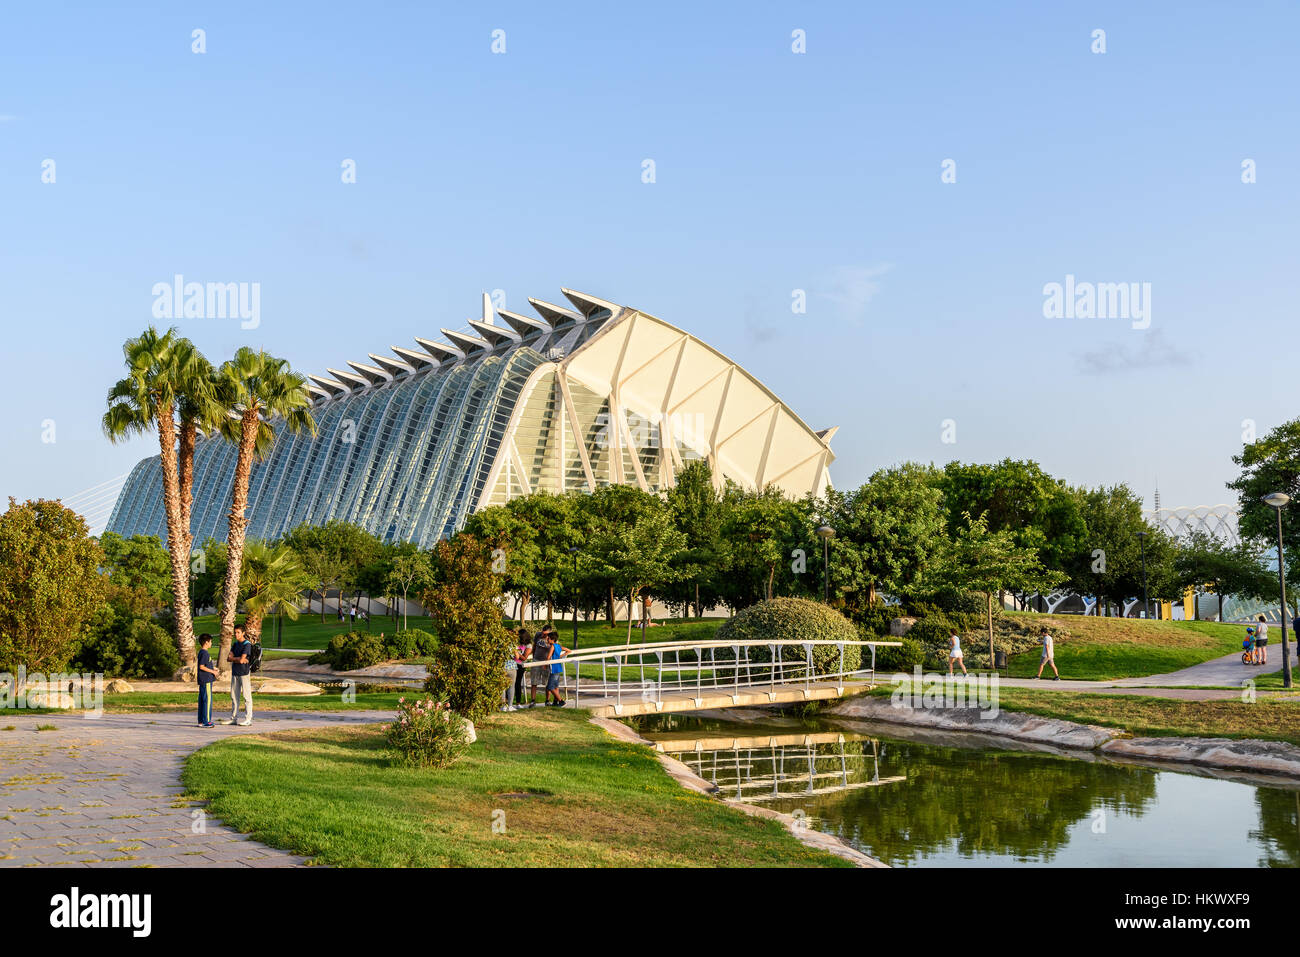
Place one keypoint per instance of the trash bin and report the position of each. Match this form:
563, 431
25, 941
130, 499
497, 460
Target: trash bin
1000, 660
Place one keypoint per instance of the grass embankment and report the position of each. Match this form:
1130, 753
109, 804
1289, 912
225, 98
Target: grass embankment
1267, 718
1101, 649
566, 792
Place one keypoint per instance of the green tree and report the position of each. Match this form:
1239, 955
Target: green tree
168, 389
761, 529
409, 571
140, 561
886, 533
1270, 464
696, 507
1210, 566
50, 584
988, 563
644, 556
263, 395
1039, 511
468, 668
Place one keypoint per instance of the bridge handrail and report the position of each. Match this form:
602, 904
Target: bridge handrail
609, 651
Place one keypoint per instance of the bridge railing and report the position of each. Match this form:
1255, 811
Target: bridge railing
647, 672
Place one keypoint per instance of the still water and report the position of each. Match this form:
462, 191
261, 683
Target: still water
916, 798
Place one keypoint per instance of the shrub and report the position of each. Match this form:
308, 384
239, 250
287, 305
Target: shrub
907, 656
875, 621
410, 643
468, 664
427, 734
354, 649
125, 645
794, 619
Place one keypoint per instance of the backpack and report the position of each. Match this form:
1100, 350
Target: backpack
255, 658
541, 650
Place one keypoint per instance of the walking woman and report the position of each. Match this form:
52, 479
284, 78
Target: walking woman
954, 653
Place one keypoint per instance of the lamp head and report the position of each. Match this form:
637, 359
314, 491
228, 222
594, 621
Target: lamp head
826, 532
1277, 499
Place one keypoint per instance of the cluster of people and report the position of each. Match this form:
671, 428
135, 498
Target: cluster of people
544, 646
1255, 646
245, 654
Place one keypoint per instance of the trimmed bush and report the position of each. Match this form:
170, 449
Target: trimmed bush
354, 649
427, 734
904, 658
410, 643
794, 619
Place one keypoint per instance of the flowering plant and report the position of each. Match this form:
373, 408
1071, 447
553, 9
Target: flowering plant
427, 733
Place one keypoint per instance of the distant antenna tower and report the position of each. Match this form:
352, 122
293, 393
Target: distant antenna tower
1157, 497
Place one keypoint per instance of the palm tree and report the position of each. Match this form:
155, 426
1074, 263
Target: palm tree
261, 392
271, 580
166, 377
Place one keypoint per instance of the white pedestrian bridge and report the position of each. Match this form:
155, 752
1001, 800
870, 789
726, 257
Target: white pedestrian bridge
668, 676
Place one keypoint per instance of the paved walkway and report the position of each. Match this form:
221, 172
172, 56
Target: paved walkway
107, 792
1214, 680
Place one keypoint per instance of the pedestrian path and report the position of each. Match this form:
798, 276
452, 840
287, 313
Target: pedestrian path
107, 791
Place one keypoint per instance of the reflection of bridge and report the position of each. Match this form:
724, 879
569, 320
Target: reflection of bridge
766, 768
692, 675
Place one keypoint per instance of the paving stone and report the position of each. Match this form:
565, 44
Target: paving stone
75, 796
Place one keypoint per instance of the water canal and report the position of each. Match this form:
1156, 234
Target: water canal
915, 798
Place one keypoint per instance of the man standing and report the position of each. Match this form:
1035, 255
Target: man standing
240, 682
1049, 656
1261, 641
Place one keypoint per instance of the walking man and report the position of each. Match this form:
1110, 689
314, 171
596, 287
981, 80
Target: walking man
1049, 655
207, 675
240, 681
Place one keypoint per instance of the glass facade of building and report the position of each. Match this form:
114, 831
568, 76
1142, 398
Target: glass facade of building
408, 447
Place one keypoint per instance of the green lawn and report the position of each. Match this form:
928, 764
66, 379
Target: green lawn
1269, 718
567, 793
1107, 648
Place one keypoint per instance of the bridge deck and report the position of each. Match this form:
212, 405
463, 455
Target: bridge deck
603, 704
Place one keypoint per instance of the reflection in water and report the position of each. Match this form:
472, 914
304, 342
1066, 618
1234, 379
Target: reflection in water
770, 767
927, 801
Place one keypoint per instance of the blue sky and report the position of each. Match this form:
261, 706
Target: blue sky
775, 171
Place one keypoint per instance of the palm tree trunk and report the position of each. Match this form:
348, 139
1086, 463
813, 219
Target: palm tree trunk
631, 597
237, 527
177, 540
253, 623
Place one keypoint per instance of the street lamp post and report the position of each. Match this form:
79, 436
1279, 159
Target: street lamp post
1146, 602
826, 533
1279, 500
574, 552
